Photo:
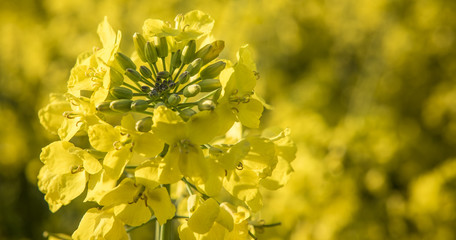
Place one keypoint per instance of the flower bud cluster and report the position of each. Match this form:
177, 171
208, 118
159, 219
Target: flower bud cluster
172, 114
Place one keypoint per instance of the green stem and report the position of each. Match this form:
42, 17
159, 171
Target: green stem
140, 94
253, 236
194, 187
178, 72
133, 228
157, 230
166, 229
153, 70
132, 87
148, 113
164, 64
208, 95
144, 80
184, 105
270, 225
156, 68
137, 84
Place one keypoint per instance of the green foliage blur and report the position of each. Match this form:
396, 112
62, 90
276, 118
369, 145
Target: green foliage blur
368, 88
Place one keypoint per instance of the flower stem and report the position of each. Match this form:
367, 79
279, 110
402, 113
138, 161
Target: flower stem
132, 87
164, 64
205, 196
157, 230
166, 229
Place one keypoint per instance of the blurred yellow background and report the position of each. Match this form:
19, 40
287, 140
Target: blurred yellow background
367, 86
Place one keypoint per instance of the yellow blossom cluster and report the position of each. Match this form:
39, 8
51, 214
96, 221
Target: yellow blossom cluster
133, 129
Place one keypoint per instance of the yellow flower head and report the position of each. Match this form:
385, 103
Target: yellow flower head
136, 127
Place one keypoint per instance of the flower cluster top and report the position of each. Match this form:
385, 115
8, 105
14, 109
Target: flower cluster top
171, 114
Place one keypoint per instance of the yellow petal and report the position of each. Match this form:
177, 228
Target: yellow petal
206, 125
78, 80
168, 125
64, 188
262, 156
234, 155
148, 144
157, 28
243, 184
213, 184
109, 39
168, 168
115, 161
185, 233
240, 231
69, 128
98, 185
90, 163
192, 162
225, 219
159, 200
193, 203
123, 193
100, 224
51, 116
147, 174
87, 225
217, 232
204, 217
242, 81
133, 214
103, 136
61, 157
245, 56
279, 176
250, 113
196, 23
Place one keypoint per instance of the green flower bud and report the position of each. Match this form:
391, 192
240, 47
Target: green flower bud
151, 53
144, 125
121, 93
188, 54
210, 51
145, 89
187, 113
192, 90
154, 94
124, 61
116, 77
145, 71
103, 107
176, 59
140, 43
217, 95
209, 85
139, 105
173, 99
163, 74
162, 47
194, 67
212, 70
206, 104
121, 105
133, 74
184, 77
